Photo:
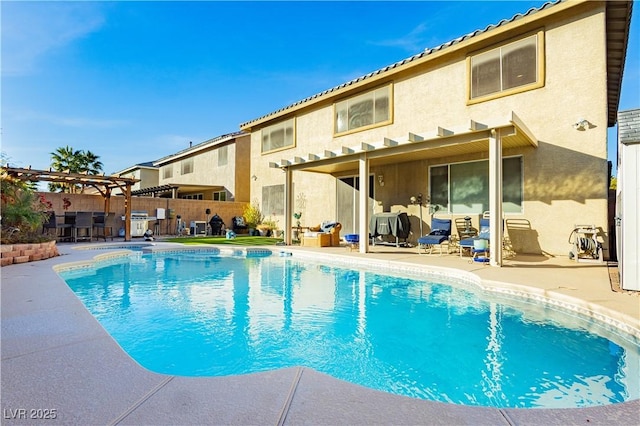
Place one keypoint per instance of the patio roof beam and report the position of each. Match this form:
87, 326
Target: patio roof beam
441, 139
415, 138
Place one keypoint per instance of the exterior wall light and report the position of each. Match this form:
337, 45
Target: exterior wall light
582, 125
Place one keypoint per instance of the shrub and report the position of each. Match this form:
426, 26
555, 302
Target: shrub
252, 214
23, 213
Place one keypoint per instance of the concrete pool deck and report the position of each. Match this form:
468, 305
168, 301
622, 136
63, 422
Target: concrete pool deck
57, 361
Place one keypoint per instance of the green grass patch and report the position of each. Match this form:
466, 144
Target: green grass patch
240, 240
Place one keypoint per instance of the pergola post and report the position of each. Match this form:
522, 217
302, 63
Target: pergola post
127, 212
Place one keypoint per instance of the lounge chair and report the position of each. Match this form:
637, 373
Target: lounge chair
440, 233
481, 239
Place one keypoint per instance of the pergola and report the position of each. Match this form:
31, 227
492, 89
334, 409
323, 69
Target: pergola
103, 184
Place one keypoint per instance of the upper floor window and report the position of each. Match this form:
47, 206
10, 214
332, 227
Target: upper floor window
366, 110
167, 171
219, 195
222, 155
278, 136
186, 166
192, 197
507, 69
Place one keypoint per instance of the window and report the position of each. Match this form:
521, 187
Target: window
278, 136
186, 166
364, 111
273, 200
464, 187
220, 196
507, 69
192, 197
222, 155
167, 172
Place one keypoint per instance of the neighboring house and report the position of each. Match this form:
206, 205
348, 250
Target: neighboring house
216, 169
628, 199
517, 112
146, 172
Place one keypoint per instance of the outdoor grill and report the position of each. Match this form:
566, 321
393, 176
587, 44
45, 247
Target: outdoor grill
139, 222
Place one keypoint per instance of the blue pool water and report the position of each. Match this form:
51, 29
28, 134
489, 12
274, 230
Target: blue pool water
202, 314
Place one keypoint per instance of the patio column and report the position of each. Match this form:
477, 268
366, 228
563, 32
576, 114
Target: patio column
288, 202
495, 197
363, 201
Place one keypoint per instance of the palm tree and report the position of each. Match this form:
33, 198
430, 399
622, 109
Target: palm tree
66, 159
90, 163
63, 159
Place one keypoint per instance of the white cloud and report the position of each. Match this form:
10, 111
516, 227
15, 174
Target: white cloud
87, 122
65, 121
414, 41
31, 30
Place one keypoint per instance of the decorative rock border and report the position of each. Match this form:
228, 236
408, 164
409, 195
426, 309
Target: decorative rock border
22, 253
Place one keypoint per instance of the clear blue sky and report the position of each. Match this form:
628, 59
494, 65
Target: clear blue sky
136, 81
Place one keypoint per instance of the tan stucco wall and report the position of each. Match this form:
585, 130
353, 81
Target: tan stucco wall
565, 178
148, 178
242, 162
188, 209
233, 176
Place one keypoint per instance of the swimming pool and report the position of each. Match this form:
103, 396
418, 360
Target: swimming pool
202, 314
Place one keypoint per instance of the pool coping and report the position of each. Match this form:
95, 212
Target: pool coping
56, 356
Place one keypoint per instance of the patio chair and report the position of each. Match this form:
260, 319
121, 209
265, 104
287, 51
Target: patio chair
475, 242
52, 223
239, 226
102, 224
84, 220
439, 235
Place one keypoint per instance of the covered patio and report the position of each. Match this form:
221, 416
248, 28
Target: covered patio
473, 137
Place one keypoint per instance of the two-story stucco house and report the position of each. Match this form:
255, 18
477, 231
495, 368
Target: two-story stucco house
511, 120
146, 173
216, 169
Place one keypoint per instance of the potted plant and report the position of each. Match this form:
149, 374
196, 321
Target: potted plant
267, 227
252, 216
297, 217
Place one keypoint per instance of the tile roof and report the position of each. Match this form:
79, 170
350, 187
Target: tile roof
201, 145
